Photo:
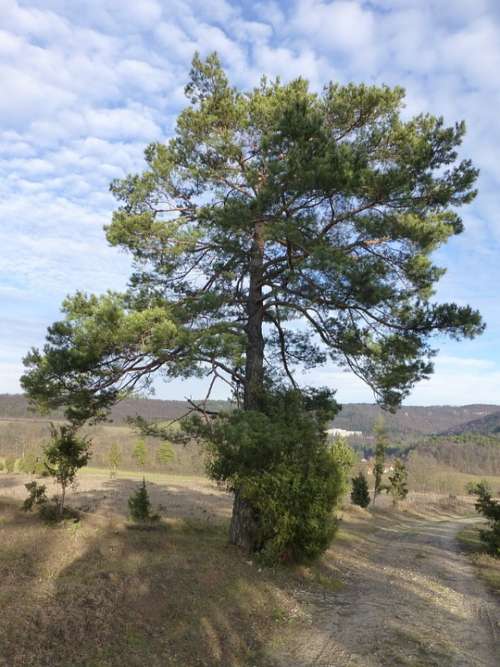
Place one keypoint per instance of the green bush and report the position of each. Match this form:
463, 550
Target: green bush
2, 466
478, 488
140, 506
490, 509
360, 494
10, 464
278, 461
37, 496
398, 482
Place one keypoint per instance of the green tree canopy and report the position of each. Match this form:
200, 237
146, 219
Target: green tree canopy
268, 207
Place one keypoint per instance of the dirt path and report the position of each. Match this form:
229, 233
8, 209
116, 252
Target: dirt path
413, 600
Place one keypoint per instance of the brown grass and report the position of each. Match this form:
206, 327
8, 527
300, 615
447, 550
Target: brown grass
488, 567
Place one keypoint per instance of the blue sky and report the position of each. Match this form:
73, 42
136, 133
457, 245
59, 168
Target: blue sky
86, 85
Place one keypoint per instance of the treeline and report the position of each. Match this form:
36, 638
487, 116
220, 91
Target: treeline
408, 421
470, 452
19, 439
16, 406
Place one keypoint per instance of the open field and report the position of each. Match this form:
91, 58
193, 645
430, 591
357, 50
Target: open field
392, 589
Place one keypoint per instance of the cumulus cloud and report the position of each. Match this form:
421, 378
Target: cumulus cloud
85, 88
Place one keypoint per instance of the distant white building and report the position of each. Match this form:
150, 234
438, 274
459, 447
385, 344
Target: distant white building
342, 432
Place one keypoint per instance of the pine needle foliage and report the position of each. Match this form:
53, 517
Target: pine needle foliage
140, 506
279, 461
398, 482
490, 509
360, 494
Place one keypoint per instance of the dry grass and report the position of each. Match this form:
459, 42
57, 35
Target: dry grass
487, 566
101, 593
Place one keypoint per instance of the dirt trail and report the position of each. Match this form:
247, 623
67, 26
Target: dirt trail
415, 599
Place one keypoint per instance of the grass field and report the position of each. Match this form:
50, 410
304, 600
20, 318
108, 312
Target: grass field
487, 566
101, 592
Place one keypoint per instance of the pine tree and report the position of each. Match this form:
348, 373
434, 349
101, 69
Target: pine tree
268, 206
140, 453
381, 442
140, 505
165, 453
64, 456
398, 482
360, 494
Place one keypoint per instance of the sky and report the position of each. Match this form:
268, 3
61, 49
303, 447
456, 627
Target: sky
85, 86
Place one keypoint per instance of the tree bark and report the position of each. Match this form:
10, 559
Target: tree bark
243, 531
254, 365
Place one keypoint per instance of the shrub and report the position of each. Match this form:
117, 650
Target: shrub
278, 462
2, 466
398, 482
360, 494
345, 458
478, 488
140, 453
65, 455
165, 453
490, 509
37, 496
140, 506
10, 464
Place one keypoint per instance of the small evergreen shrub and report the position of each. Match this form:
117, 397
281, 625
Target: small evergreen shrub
65, 455
278, 461
398, 482
37, 496
140, 506
360, 494
490, 509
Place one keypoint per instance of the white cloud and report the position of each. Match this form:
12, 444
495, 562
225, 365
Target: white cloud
85, 88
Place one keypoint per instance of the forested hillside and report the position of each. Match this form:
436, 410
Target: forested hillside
487, 425
409, 420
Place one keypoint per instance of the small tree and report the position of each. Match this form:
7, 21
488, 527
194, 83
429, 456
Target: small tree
360, 494
140, 453
140, 505
65, 455
114, 459
381, 441
345, 458
37, 496
490, 509
398, 482
165, 453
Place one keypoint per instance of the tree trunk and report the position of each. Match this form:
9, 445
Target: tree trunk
254, 365
244, 526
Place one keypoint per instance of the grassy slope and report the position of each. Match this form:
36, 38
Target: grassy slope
487, 566
102, 593
99, 593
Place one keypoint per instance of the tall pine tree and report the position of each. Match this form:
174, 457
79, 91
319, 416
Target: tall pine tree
268, 207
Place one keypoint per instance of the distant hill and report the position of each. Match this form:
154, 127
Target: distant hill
16, 406
487, 425
412, 420
408, 421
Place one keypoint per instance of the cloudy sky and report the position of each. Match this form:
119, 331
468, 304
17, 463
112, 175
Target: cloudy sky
86, 85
